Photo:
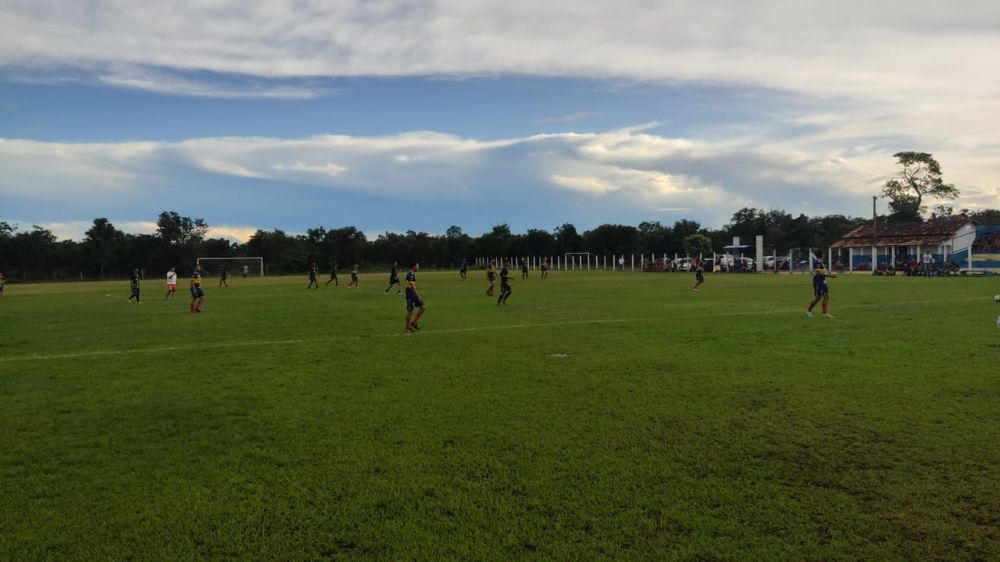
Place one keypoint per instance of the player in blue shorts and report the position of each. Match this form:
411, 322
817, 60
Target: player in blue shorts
821, 292
413, 300
197, 293
699, 275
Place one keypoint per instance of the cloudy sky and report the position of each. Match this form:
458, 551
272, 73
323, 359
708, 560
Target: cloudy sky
397, 115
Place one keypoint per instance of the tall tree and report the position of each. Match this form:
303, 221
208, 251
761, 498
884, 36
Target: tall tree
684, 228
612, 239
35, 252
175, 229
697, 244
568, 239
919, 176
540, 242
985, 216
654, 238
102, 243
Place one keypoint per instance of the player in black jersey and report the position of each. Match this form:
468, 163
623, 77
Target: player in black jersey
313, 272
505, 290
333, 277
699, 275
393, 278
135, 286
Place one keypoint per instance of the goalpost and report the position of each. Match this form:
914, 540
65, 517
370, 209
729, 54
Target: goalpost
570, 258
234, 266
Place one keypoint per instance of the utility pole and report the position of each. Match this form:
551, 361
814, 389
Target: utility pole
874, 234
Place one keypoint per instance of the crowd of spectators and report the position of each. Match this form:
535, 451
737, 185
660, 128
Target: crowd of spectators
990, 242
916, 266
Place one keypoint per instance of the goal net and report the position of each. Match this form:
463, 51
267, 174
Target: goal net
233, 267
576, 260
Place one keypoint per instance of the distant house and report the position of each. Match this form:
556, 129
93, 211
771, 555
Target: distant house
948, 238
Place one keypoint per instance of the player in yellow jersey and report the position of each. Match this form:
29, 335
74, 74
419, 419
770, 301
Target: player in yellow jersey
491, 276
413, 300
197, 294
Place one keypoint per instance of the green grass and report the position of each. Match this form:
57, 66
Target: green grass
598, 416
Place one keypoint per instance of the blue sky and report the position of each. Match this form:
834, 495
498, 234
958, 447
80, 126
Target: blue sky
393, 116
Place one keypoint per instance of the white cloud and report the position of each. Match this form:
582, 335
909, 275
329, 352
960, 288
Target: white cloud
233, 232
585, 184
140, 78
631, 171
886, 49
228, 168
328, 169
625, 169
54, 170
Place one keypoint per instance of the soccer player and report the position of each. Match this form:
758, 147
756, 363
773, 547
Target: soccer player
171, 284
491, 276
413, 300
393, 278
135, 286
333, 277
545, 269
354, 277
313, 271
3, 281
699, 274
224, 275
197, 294
820, 289
464, 272
504, 285
246, 270
524, 269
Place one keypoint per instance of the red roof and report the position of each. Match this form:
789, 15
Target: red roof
931, 233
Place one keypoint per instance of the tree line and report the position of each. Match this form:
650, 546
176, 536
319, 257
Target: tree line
107, 252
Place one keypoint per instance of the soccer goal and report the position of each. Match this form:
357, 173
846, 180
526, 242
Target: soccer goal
235, 267
574, 260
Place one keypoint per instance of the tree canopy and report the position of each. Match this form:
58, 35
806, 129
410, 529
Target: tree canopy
918, 176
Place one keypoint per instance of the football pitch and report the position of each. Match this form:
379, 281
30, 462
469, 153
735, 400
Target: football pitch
597, 416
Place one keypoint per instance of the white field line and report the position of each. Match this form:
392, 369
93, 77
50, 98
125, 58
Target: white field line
100, 353
113, 352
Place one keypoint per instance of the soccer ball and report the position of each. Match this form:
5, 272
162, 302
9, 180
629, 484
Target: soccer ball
996, 298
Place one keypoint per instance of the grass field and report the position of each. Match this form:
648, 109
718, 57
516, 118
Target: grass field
598, 416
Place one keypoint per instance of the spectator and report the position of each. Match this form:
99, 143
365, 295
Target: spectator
927, 260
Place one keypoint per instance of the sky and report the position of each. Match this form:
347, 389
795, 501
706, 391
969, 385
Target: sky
400, 115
